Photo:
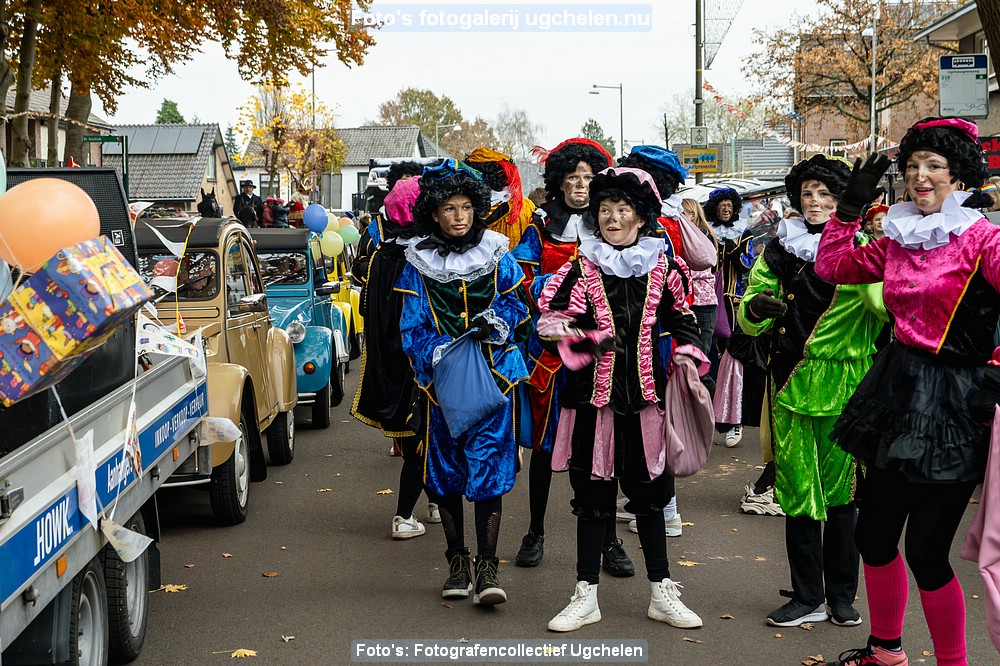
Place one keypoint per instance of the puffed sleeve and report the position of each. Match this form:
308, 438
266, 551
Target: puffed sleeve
676, 319
509, 311
746, 251
839, 261
420, 336
762, 277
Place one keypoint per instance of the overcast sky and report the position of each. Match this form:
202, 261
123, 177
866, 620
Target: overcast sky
548, 73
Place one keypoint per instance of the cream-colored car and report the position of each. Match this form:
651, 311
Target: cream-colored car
251, 365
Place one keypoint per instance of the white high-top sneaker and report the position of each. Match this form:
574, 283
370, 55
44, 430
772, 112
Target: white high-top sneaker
665, 605
582, 609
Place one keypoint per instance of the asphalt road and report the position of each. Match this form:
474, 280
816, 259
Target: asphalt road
314, 569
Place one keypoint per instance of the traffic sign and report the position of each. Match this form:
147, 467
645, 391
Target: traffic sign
102, 138
699, 137
964, 85
701, 160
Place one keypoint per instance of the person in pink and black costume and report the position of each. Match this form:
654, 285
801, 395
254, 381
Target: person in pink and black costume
918, 420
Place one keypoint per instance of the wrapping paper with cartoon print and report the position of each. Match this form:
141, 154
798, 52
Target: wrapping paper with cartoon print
71, 305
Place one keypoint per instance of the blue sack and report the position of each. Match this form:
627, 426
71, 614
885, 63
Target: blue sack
464, 386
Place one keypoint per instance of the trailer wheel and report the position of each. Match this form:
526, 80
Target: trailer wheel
230, 487
281, 439
128, 598
88, 619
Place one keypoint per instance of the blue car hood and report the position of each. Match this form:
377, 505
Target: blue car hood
286, 310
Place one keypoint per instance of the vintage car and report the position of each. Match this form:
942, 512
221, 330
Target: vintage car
251, 366
348, 299
298, 295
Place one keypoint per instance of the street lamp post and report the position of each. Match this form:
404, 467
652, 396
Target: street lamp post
452, 127
621, 111
874, 36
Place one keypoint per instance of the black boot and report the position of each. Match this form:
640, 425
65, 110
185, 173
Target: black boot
616, 560
532, 549
488, 590
459, 582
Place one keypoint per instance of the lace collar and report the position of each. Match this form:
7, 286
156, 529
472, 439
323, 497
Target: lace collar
632, 261
568, 225
795, 236
731, 232
905, 224
475, 262
671, 207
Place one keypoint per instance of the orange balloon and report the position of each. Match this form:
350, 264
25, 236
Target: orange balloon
41, 216
344, 221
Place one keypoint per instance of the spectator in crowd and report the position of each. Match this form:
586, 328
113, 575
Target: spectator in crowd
248, 207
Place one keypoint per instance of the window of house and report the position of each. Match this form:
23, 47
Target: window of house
983, 47
212, 166
270, 187
362, 181
837, 147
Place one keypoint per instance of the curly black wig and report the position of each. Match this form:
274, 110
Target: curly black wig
564, 159
666, 181
619, 184
400, 169
717, 196
434, 192
493, 174
965, 157
830, 171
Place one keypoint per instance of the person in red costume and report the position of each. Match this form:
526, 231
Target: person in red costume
918, 420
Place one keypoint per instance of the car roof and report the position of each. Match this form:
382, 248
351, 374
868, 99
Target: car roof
280, 239
206, 232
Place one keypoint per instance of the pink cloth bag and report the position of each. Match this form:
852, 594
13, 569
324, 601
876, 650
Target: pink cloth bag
982, 543
699, 250
729, 391
688, 423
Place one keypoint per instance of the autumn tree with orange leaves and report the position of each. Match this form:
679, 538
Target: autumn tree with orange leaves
825, 62
97, 45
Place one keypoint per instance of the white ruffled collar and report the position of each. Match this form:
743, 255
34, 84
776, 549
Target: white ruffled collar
672, 207
794, 236
632, 261
729, 233
473, 263
906, 225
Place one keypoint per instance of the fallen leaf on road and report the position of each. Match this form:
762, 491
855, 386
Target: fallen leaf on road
688, 563
692, 640
973, 500
348, 420
813, 660
173, 588
387, 491
447, 605
927, 653
716, 557
777, 635
975, 596
189, 566
807, 626
325, 490
504, 561
284, 548
727, 616
735, 530
687, 523
242, 653
337, 474
760, 559
226, 555
329, 455
278, 483
287, 638
270, 574
463, 639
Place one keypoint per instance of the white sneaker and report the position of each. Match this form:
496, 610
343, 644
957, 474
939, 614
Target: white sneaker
433, 514
672, 525
406, 528
734, 436
760, 504
665, 605
621, 514
582, 609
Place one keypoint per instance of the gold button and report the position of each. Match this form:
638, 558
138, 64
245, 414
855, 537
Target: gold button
781, 331
465, 315
791, 297
913, 317
923, 258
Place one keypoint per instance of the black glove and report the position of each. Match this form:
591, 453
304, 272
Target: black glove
597, 349
862, 187
765, 306
983, 401
482, 328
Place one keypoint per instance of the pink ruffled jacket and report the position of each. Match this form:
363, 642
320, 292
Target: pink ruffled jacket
923, 289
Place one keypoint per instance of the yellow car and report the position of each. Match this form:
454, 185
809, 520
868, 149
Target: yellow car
338, 269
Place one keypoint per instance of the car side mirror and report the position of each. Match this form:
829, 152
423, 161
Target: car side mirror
252, 303
328, 288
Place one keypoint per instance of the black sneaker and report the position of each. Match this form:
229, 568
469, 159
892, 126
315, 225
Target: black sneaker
843, 614
795, 613
459, 582
532, 548
616, 561
488, 590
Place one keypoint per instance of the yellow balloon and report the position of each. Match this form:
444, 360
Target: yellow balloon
331, 243
331, 221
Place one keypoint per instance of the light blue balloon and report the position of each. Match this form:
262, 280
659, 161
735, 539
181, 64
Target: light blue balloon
6, 284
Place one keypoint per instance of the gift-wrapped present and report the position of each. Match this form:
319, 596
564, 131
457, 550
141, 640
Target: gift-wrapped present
72, 304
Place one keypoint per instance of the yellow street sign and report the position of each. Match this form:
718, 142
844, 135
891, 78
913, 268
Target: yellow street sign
701, 160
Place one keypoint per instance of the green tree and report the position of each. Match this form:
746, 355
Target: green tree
423, 108
229, 139
592, 130
168, 114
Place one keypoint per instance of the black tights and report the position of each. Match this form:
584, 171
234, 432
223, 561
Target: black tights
931, 512
411, 476
539, 480
488, 513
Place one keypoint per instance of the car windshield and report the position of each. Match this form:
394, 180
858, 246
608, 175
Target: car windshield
283, 268
197, 279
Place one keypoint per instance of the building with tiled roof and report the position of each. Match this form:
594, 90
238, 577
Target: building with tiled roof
38, 103
171, 164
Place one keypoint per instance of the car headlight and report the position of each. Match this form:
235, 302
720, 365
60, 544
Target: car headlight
296, 332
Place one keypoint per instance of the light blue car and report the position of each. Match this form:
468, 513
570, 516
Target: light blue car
298, 297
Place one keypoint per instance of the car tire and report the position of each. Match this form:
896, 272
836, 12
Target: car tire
337, 385
357, 339
230, 486
88, 617
281, 439
321, 408
128, 598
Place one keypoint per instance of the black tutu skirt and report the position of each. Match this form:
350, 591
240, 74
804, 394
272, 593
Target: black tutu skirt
909, 414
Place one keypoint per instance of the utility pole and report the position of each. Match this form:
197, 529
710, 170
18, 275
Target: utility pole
699, 55
666, 132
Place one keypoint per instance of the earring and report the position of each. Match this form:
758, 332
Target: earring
961, 185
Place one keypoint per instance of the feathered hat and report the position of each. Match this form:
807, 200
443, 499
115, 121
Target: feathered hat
564, 158
635, 186
831, 171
